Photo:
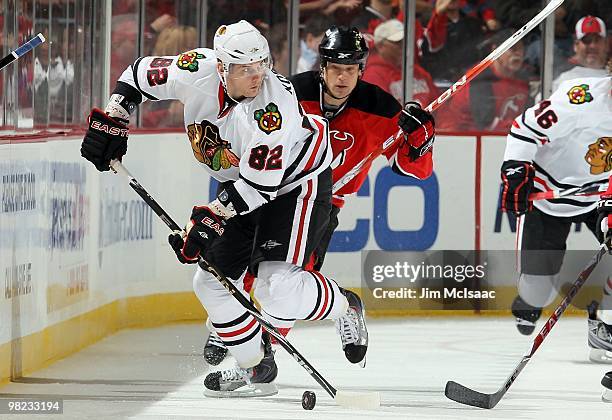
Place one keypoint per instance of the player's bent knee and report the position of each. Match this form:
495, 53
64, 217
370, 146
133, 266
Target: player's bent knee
277, 287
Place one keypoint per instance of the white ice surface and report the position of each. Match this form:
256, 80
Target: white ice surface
157, 374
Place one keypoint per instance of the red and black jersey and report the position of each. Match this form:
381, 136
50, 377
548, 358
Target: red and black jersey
366, 120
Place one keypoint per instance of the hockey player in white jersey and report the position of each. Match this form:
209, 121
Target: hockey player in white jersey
248, 131
560, 143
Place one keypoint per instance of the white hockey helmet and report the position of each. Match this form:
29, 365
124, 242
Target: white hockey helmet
240, 43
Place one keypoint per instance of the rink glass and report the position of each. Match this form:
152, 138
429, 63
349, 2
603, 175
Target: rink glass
54, 88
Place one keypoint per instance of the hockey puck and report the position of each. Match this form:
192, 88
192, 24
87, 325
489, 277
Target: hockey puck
309, 399
606, 381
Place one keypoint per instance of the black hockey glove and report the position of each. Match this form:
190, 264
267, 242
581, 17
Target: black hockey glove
206, 227
604, 220
105, 139
419, 129
517, 179
177, 242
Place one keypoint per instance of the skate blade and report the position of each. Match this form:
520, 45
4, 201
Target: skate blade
362, 364
600, 356
247, 391
606, 396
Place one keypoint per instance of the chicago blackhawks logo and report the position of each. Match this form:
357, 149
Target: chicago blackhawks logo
189, 61
209, 148
579, 94
599, 156
270, 119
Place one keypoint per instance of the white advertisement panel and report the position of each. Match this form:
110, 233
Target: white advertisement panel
73, 239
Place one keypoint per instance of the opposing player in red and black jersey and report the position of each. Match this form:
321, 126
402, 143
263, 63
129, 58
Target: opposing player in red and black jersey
361, 117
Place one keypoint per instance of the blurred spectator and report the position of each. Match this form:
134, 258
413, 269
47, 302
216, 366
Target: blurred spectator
176, 39
482, 10
451, 36
604, 9
372, 15
279, 48
591, 51
576, 9
516, 13
423, 7
494, 98
155, 29
121, 7
309, 44
124, 37
562, 49
310, 8
419, 33
263, 14
384, 67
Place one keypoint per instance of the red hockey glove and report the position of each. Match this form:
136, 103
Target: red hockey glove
419, 129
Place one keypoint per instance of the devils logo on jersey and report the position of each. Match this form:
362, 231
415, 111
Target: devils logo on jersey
599, 156
579, 94
189, 61
209, 148
341, 142
268, 120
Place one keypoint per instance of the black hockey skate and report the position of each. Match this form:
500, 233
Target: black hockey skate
599, 336
352, 329
526, 315
214, 349
257, 381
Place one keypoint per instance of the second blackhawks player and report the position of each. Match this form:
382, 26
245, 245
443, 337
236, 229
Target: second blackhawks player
247, 130
560, 143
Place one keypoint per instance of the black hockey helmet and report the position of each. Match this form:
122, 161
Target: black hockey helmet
344, 46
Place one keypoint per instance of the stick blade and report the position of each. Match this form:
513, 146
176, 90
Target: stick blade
467, 396
359, 400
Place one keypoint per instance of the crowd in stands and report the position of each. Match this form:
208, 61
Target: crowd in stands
453, 35
450, 37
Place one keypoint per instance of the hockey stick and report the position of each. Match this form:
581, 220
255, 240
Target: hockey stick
589, 190
366, 400
456, 87
465, 395
14, 55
